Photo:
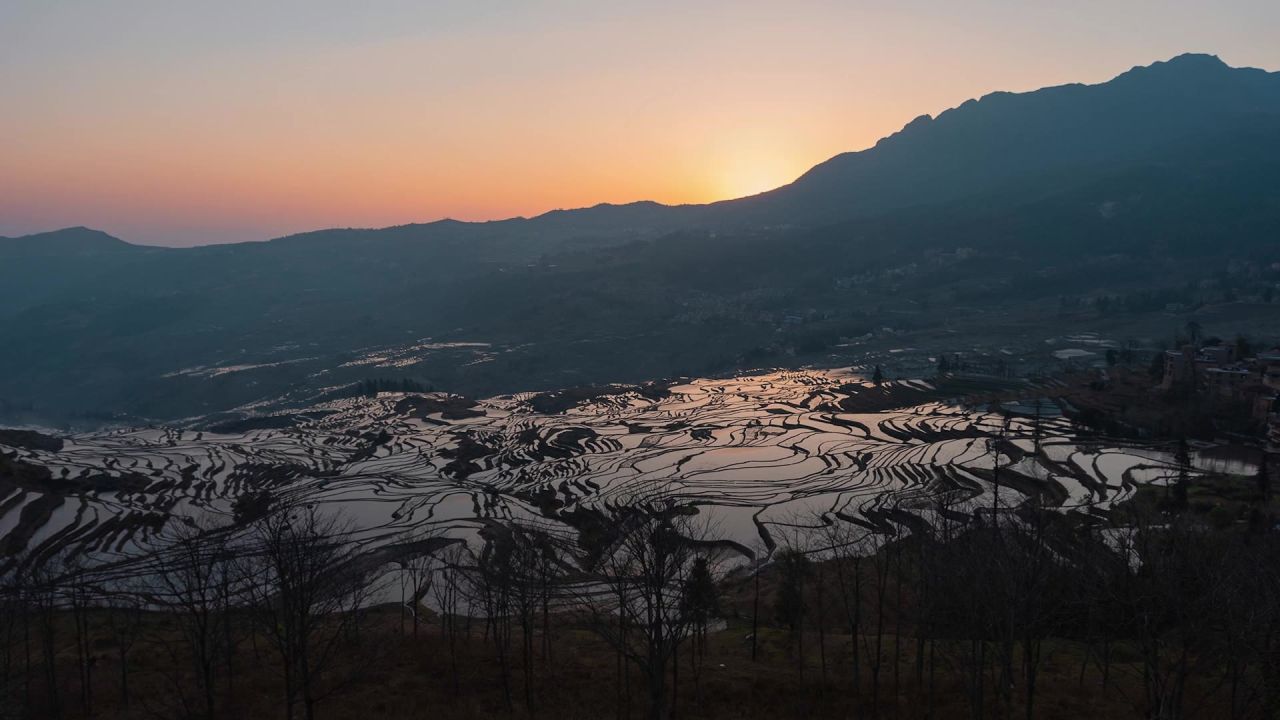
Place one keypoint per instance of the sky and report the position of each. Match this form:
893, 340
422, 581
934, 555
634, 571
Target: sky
169, 122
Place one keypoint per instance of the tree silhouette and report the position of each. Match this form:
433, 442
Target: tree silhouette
1193, 331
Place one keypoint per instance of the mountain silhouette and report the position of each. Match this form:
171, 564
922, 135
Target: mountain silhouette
61, 242
1005, 139
1154, 178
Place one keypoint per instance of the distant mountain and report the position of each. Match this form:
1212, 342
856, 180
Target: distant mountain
1167, 174
996, 142
999, 141
68, 241
1056, 134
1005, 139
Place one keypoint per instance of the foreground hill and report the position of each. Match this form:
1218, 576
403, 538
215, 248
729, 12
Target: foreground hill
1160, 188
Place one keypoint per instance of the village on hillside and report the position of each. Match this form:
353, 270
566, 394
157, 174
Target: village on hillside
1229, 376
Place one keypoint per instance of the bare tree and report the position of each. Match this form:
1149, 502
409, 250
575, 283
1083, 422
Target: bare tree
308, 586
417, 572
28, 599
756, 556
125, 599
881, 563
79, 598
1165, 593
848, 545
792, 609
44, 594
1260, 623
645, 571
188, 576
447, 591
14, 635
494, 581
701, 604
524, 560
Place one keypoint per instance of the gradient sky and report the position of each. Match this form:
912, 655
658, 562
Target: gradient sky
178, 123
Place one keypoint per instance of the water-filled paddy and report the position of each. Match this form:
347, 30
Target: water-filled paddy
752, 453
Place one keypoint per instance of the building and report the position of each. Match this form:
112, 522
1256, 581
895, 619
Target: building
1216, 355
1221, 375
1269, 367
1268, 400
1178, 366
1228, 382
1273, 427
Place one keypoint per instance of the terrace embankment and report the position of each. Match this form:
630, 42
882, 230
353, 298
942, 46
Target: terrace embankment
750, 452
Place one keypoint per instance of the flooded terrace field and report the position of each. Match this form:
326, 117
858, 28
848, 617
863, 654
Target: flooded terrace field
754, 453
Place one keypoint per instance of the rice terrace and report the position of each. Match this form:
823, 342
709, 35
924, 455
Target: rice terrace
610, 360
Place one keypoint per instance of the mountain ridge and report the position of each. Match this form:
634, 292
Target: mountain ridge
1191, 73
1055, 197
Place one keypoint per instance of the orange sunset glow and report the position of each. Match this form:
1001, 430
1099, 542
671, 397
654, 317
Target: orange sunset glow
242, 123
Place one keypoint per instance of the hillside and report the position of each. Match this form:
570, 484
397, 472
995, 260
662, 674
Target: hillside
1163, 182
